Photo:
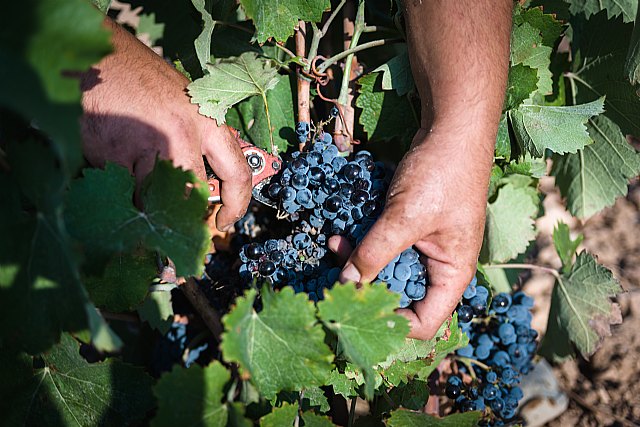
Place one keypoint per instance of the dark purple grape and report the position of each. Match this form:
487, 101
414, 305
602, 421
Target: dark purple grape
351, 171
266, 268
465, 314
254, 251
333, 204
274, 190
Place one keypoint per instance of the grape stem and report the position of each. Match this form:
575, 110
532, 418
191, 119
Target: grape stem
525, 267
330, 61
469, 361
199, 301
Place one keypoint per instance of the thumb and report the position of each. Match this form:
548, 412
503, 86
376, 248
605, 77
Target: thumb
384, 241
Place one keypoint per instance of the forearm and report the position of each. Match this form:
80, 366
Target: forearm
459, 53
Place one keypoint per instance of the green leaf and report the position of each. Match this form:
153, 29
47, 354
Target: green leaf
413, 395
341, 384
30, 27
581, 307
125, 281
101, 335
385, 115
522, 82
593, 178
311, 419
157, 310
546, 23
503, 140
367, 327
231, 80
203, 41
40, 291
237, 415
315, 399
509, 226
150, 27
565, 247
192, 396
282, 416
527, 49
172, 221
35, 72
278, 20
632, 63
284, 333
396, 73
405, 418
266, 124
614, 8
559, 129
593, 77
67, 390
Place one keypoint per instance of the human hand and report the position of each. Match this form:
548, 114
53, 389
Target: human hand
437, 203
136, 109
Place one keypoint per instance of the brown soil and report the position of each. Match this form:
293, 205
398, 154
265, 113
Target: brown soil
605, 390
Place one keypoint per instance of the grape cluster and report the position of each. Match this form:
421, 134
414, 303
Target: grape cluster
325, 194
501, 347
298, 261
329, 191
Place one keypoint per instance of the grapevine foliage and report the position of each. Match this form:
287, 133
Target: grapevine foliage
75, 239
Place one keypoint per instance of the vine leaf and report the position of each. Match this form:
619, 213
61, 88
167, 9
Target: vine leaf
281, 416
360, 317
503, 141
385, 115
284, 334
125, 281
277, 20
559, 129
406, 418
40, 291
509, 226
527, 49
396, 73
32, 82
522, 83
632, 63
412, 395
547, 24
170, 223
595, 176
266, 125
157, 310
565, 247
230, 80
312, 419
192, 396
581, 309
148, 25
614, 8
203, 42
342, 384
74, 392
601, 46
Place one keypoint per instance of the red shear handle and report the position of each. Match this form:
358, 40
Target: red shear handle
263, 165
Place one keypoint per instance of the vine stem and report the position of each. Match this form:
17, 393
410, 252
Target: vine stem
330, 61
352, 412
525, 267
304, 84
469, 361
349, 54
233, 25
197, 298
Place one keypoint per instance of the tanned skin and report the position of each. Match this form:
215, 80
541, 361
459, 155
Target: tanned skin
136, 108
459, 52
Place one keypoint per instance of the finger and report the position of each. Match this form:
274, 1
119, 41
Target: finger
446, 287
383, 242
341, 247
228, 163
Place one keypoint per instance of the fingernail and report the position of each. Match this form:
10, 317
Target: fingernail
350, 274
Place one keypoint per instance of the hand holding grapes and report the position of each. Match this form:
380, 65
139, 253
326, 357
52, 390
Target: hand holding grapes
459, 54
136, 109
438, 210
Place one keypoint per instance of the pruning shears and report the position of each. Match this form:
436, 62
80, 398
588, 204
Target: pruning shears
263, 166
